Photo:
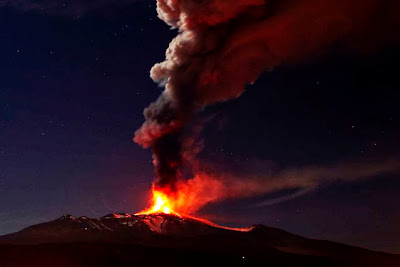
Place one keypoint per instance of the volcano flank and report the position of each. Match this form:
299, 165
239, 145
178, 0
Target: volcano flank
172, 240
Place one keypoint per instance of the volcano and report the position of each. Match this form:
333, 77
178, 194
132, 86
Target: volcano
170, 240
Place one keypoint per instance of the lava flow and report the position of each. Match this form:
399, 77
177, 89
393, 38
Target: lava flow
164, 203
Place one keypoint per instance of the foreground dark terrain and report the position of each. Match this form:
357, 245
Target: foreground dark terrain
118, 239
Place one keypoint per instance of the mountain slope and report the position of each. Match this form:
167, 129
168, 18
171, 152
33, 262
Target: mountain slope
169, 239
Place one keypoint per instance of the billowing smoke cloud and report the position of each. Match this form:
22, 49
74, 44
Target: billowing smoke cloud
212, 186
223, 45
66, 7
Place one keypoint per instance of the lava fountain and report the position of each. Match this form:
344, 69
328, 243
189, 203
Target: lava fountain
177, 203
160, 203
186, 196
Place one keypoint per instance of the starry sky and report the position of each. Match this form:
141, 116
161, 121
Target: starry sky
74, 83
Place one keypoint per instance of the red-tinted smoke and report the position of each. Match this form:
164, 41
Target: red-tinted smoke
223, 45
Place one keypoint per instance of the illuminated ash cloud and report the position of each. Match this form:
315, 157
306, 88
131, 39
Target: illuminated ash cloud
211, 186
223, 45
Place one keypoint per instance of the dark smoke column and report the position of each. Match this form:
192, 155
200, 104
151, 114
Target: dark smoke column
189, 82
223, 45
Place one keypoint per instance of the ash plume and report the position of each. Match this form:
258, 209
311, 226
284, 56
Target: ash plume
223, 45
211, 186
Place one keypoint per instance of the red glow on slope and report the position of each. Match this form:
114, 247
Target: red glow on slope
178, 203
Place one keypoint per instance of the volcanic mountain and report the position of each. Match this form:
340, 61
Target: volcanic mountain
171, 240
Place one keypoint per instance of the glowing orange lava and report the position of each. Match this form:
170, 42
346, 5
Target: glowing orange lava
160, 203
163, 202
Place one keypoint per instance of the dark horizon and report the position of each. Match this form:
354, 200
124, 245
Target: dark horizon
73, 87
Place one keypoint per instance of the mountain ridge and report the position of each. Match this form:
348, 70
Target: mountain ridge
189, 235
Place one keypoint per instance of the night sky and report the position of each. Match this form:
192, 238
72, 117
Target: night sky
73, 86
